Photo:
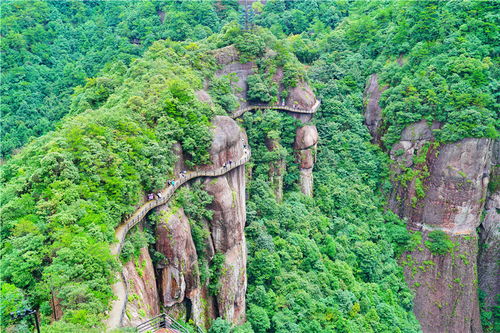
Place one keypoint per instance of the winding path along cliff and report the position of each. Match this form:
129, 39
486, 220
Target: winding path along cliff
178, 279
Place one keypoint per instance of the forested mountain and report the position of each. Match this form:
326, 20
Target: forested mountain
347, 219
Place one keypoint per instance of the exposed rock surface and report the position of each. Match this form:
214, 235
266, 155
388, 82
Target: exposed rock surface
373, 112
455, 186
301, 96
177, 285
306, 139
228, 141
227, 237
142, 302
489, 254
178, 270
441, 187
445, 286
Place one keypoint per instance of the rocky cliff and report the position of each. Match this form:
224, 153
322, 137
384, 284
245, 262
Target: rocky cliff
438, 187
489, 244
142, 302
176, 284
441, 187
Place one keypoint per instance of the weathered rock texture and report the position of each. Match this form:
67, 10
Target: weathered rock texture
178, 275
178, 270
142, 302
489, 254
227, 224
228, 238
445, 286
453, 177
306, 139
442, 187
373, 112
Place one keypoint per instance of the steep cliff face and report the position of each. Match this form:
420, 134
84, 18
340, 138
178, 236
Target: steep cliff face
439, 187
227, 237
142, 302
489, 245
373, 112
442, 187
178, 275
228, 221
306, 140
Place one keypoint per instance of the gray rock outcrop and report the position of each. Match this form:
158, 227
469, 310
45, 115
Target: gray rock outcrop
306, 139
373, 112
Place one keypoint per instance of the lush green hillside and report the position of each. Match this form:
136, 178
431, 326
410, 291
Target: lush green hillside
50, 47
66, 192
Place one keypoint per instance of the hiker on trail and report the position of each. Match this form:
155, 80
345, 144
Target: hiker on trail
224, 165
230, 162
151, 196
159, 195
173, 182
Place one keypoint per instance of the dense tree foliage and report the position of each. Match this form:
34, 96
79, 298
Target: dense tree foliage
329, 263
438, 58
49, 47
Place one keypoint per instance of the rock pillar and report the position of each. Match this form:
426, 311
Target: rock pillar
306, 140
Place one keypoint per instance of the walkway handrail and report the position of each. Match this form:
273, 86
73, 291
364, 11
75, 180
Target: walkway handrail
163, 320
166, 194
240, 112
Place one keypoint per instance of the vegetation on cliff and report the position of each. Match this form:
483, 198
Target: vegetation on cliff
318, 264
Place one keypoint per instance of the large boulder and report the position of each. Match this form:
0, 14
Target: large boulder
178, 271
306, 137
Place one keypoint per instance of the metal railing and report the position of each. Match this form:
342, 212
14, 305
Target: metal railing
161, 321
312, 110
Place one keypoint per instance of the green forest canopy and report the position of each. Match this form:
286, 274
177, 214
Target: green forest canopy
321, 264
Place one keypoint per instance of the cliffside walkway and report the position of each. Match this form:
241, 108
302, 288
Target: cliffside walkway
312, 110
120, 288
